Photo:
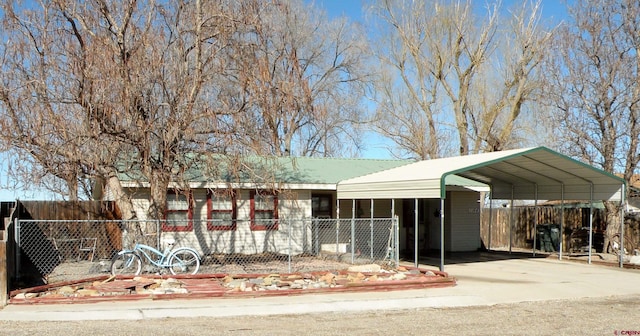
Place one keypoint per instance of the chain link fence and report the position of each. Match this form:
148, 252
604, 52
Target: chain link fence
68, 250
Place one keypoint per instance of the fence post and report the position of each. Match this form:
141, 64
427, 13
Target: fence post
17, 246
396, 238
314, 223
4, 281
290, 244
158, 234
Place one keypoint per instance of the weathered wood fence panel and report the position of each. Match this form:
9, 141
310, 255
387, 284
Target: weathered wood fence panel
524, 219
109, 233
61, 210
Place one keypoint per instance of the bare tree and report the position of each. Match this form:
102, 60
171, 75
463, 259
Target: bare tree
445, 64
112, 86
99, 89
436, 49
305, 77
510, 81
594, 89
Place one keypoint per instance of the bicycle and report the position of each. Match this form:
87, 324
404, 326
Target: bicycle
183, 260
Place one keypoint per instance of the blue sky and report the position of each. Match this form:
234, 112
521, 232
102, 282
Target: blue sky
554, 10
551, 9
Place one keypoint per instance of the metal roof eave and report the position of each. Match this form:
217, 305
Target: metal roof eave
523, 153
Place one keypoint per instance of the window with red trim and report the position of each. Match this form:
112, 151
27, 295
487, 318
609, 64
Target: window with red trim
221, 210
179, 215
264, 210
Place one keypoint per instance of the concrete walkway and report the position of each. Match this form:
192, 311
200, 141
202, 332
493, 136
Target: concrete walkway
479, 283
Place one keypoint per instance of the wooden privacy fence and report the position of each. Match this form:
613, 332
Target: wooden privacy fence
524, 221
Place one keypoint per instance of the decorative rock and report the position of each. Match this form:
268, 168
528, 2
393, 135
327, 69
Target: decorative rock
88, 292
170, 283
371, 268
257, 281
399, 276
327, 278
296, 286
66, 290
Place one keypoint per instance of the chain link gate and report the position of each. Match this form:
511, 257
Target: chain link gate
69, 250
358, 240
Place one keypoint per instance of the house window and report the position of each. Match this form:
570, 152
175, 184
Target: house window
221, 210
264, 210
321, 206
179, 213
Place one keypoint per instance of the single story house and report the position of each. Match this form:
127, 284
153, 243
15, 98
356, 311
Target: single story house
436, 201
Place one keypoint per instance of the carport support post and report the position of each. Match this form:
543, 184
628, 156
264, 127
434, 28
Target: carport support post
561, 221
353, 230
622, 202
393, 207
490, 216
442, 235
535, 220
371, 227
511, 221
590, 221
415, 233
337, 226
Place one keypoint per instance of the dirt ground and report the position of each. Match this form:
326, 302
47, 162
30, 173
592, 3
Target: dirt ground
594, 316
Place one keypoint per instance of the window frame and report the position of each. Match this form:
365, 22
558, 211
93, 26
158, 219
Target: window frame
174, 228
255, 225
234, 212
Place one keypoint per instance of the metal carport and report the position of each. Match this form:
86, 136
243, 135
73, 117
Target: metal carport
524, 174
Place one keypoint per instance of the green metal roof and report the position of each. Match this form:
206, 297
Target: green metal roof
329, 170
299, 170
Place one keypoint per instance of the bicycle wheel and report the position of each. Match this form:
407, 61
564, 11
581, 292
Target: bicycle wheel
126, 263
184, 261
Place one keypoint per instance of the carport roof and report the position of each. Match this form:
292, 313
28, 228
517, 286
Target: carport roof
528, 174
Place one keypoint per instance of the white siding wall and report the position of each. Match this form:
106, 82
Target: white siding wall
291, 206
464, 222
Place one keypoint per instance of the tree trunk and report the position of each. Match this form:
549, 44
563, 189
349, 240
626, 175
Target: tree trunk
123, 202
158, 185
612, 232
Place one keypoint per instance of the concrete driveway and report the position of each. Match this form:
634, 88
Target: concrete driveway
479, 283
534, 279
